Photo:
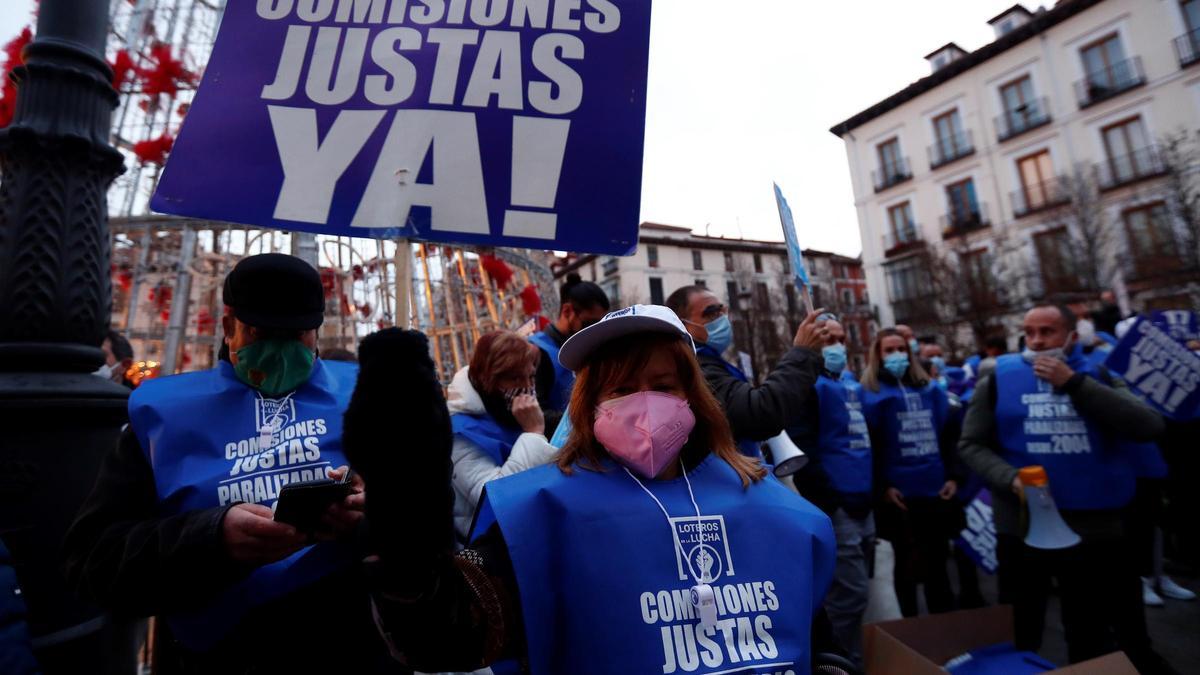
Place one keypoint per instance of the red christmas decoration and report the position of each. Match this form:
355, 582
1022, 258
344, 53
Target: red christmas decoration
12, 59
183, 109
155, 150
168, 73
356, 272
365, 310
497, 269
125, 280
543, 322
530, 302
123, 68
328, 281
205, 322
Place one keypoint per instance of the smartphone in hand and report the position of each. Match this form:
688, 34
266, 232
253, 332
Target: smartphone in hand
301, 505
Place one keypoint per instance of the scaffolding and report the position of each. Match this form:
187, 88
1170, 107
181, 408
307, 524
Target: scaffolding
167, 271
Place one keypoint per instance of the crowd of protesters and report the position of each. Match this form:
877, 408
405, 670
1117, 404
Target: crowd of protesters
463, 539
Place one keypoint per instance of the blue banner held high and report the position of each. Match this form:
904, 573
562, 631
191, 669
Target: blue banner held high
511, 124
795, 256
1158, 368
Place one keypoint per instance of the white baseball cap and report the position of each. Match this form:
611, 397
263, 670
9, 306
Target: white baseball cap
632, 319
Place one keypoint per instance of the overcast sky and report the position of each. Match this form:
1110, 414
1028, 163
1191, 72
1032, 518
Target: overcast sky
743, 93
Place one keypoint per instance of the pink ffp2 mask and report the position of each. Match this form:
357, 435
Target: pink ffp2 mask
644, 431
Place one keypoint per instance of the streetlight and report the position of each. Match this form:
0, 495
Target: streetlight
58, 420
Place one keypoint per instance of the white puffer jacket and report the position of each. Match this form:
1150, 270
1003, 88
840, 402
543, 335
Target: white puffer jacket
473, 468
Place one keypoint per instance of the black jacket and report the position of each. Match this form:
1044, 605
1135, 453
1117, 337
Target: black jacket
762, 412
124, 555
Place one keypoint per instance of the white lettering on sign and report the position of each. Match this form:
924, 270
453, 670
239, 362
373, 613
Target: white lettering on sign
333, 64
1053, 417
1160, 368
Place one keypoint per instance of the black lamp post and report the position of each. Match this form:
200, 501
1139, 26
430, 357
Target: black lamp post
56, 420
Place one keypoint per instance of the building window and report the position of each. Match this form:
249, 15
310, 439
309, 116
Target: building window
697, 261
762, 297
731, 293
1037, 189
893, 167
652, 255
701, 283
609, 266
961, 204
900, 220
758, 268
656, 291
786, 264
847, 298
1128, 152
907, 280
950, 141
1101, 62
1191, 13
852, 331
1022, 111
1151, 240
791, 298
1056, 260
728, 261
976, 267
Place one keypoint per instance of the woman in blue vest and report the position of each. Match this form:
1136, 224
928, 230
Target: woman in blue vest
498, 427
581, 304
906, 414
651, 546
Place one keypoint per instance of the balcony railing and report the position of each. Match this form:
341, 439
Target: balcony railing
1125, 169
962, 221
1025, 117
887, 176
913, 310
1187, 48
1037, 197
951, 148
1106, 83
895, 243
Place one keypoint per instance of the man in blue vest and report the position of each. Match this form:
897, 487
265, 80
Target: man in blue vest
755, 413
837, 479
1049, 406
581, 304
180, 523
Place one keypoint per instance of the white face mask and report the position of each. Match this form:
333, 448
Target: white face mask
1086, 330
105, 371
1059, 353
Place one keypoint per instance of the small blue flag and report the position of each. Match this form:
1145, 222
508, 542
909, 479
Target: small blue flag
795, 257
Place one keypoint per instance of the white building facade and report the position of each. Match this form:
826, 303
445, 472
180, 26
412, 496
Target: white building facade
989, 146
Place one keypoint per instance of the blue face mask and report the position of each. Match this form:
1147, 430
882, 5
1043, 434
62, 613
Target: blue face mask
914, 346
896, 363
835, 358
939, 363
720, 333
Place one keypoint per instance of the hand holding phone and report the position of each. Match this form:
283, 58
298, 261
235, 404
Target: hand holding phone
302, 505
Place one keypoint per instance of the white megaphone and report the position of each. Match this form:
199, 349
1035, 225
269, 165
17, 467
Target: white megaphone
1047, 530
788, 458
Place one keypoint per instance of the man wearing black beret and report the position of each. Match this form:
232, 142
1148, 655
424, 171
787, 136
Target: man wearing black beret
180, 522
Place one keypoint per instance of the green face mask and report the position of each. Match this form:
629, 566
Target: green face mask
274, 367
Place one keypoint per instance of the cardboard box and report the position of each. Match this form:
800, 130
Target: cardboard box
919, 646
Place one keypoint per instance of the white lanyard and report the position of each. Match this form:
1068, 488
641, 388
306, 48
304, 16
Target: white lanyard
266, 434
701, 592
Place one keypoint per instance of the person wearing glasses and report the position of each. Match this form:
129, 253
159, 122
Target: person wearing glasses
756, 413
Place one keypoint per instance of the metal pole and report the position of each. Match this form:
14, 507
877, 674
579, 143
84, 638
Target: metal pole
55, 304
403, 286
180, 301
304, 247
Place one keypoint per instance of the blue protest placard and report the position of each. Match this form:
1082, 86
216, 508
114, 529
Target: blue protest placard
1182, 325
795, 256
978, 538
1157, 368
480, 122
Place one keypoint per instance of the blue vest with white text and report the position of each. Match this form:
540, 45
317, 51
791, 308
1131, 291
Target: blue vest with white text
604, 578
564, 378
200, 433
496, 441
748, 446
910, 422
842, 438
1038, 425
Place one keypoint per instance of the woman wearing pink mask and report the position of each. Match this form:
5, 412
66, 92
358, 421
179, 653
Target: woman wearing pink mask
653, 545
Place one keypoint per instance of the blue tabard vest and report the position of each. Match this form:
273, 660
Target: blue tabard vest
843, 441
200, 434
564, 378
485, 432
604, 588
911, 421
749, 447
1038, 425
